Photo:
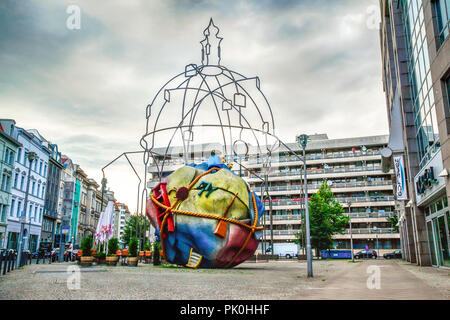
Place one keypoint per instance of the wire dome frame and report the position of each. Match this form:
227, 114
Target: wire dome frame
241, 110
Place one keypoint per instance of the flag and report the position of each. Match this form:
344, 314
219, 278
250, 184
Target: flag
105, 224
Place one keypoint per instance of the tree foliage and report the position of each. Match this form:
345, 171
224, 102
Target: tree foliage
139, 223
326, 218
393, 220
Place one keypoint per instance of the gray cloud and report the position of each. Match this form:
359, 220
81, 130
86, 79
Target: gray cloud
87, 89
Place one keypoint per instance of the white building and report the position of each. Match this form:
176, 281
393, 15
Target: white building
122, 215
36, 196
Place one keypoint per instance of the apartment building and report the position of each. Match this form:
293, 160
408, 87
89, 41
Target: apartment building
415, 50
31, 175
352, 167
121, 216
8, 151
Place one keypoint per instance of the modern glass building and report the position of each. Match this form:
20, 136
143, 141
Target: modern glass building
415, 49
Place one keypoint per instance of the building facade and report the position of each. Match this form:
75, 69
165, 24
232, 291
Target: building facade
352, 167
122, 215
36, 182
8, 151
65, 201
55, 166
416, 75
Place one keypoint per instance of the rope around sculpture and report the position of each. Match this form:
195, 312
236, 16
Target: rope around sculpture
171, 209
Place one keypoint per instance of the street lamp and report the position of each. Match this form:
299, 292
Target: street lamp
23, 217
303, 140
351, 234
376, 234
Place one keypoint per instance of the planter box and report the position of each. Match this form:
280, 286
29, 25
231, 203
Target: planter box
86, 261
112, 260
132, 261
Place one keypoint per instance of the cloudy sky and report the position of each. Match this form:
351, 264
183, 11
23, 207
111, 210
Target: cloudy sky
87, 89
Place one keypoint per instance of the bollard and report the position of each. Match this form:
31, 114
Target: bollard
9, 261
3, 263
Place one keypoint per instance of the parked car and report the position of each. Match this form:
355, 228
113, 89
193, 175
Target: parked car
397, 254
370, 254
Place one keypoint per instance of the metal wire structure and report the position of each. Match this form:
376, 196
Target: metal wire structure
211, 101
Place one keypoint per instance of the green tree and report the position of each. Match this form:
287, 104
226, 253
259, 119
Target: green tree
136, 223
113, 246
86, 246
326, 218
393, 219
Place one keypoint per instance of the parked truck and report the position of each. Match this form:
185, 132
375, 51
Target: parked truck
287, 250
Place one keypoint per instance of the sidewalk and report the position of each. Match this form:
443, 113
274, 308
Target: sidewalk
396, 282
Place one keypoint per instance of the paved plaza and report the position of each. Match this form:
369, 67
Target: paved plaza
271, 280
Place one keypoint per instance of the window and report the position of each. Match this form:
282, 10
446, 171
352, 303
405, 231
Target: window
19, 155
38, 190
2, 212
11, 212
40, 167
442, 8
19, 207
33, 187
45, 170
16, 178
22, 181
3, 182
35, 214
11, 157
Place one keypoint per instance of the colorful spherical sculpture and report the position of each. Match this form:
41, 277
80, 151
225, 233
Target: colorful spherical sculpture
206, 216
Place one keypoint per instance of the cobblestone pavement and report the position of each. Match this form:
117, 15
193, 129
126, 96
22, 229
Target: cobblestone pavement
273, 280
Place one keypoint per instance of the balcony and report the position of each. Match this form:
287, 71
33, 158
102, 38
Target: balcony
170, 164
343, 201
282, 217
371, 231
281, 232
338, 185
310, 172
319, 157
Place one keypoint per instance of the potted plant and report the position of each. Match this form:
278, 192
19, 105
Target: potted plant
101, 258
86, 254
113, 246
156, 254
132, 259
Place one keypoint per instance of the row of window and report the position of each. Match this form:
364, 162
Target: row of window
34, 211
39, 166
36, 189
9, 156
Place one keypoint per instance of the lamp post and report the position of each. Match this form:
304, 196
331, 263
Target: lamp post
376, 235
23, 217
351, 234
303, 140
